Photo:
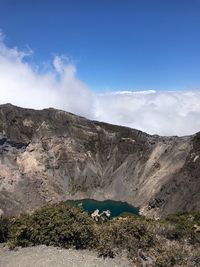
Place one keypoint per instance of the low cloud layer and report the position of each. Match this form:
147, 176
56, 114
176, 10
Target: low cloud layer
165, 113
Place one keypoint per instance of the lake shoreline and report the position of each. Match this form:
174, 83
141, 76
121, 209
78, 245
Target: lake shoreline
115, 207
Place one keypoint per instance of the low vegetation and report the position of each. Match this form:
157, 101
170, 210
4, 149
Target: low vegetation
4, 229
57, 225
171, 242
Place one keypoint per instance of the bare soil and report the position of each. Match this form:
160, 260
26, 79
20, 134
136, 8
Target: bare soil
43, 256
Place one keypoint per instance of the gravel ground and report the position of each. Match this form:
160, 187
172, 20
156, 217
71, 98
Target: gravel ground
43, 256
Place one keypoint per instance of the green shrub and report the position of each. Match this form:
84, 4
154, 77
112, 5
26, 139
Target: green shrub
184, 225
4, 228
129, 234
176, 254
164, 241
184, 220
58, 225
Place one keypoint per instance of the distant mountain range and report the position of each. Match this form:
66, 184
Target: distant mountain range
50, 155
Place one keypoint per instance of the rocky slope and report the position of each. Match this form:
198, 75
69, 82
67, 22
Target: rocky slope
51, 155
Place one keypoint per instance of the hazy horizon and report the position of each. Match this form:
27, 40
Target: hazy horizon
130, 63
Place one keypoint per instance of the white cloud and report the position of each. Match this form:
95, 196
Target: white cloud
20, 84
166, 113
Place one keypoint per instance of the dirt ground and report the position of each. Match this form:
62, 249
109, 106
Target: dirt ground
43, 256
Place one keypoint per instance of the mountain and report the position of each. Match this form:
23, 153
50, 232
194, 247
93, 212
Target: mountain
51, 155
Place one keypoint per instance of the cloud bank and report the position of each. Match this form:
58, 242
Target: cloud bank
24, 85
164, 113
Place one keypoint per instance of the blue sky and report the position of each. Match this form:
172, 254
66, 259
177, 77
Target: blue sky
116, 45
127, 62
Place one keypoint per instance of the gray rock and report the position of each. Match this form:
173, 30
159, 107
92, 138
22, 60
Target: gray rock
50, 155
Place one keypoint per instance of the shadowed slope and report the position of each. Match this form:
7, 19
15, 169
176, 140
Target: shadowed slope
51, 155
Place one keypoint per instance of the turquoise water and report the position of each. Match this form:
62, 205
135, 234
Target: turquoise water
115, 207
